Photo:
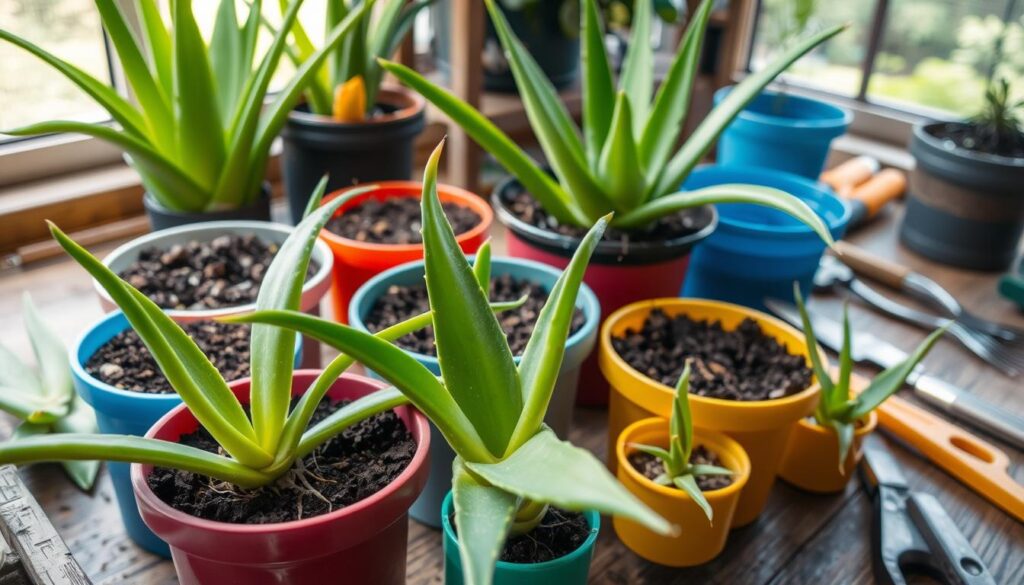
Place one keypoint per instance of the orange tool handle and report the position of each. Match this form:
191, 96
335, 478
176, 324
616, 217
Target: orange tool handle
879, 190
867, 264
845, 177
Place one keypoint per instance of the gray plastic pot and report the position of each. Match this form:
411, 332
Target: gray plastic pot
964, 208
427, 509
161, 218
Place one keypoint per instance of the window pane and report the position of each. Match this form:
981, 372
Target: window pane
32, 91
938, 53
836, 65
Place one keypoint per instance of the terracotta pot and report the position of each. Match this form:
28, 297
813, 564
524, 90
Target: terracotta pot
698, 541
761, 427
356, 262
812, 455
361, 543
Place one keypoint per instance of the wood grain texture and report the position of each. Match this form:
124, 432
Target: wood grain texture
801, 538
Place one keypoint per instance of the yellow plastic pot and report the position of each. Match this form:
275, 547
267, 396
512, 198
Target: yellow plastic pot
761, 427
811, 459
698, 541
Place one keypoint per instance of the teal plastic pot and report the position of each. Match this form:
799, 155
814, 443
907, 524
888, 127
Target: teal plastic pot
559, 417
123, 412
572, 569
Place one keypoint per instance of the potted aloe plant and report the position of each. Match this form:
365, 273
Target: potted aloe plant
825, 448
680, 474
198, 132
625, 160
350, 127
512, 475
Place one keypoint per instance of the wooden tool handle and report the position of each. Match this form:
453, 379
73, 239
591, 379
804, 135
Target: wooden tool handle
879, 190
867, 264
851, 173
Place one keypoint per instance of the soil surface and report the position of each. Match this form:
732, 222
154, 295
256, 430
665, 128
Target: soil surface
741, 364
559, 533
395, 220
403, 302
223, 272
125, 362
981, 139
352, 466
651, 467
672, 226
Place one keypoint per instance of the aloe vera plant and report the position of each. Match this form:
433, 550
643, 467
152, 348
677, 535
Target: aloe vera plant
679, 472
837, 408
509, 466
197, 132
624, 159
44, 398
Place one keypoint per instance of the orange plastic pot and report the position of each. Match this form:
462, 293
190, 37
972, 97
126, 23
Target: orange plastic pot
812, 456
698, 541
761, 427
356, 262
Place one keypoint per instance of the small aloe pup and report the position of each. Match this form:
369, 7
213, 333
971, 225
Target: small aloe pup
44, 399
509, 466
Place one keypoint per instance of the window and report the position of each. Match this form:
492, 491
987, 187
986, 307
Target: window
929, 57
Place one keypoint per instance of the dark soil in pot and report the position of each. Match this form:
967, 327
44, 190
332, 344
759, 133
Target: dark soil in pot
352, 466
559, 533
741, 364
651, 467
395, 220
224, 272
980, 138
125, 362
403, 302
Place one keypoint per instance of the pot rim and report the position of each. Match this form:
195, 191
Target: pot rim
321, 255
409, 106
410, 189
841, 118
724, 446
143, 491
586, 299
921, 132
859, 431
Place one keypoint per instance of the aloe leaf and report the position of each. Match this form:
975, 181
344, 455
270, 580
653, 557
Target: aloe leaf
841, 390
51, 355
688, 484
472, 350
318, 91
27, 429
682, 423
29, 407
653, 451
765, 196
672, 101
637, 78
482, 267
699, 470
158, 43
348, 415
820, 371
405, 23
378, 42
226, 58
17, 375
542, 358
844, 435
704, 136
598, 88
548, 470
483, 516
619, 168
889, 381
80, 419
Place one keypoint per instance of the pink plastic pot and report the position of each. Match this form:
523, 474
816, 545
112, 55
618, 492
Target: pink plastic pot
362, 543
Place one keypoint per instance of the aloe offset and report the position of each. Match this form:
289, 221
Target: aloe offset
509, 466
625, 159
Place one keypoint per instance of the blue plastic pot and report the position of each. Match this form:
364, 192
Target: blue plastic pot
124, 412
783, 132
571, 569
427, 508
757, 252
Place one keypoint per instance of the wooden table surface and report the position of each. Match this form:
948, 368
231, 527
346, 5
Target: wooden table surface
799, 538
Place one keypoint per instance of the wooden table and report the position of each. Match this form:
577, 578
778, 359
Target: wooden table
800, 538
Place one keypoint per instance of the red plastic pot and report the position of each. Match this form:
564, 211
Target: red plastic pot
361, 543
619, 274
356, 262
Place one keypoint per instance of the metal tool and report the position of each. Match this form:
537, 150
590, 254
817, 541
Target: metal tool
866, 348
911, 532
1006, 357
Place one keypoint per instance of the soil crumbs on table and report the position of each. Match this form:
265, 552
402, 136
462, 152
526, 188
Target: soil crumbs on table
125, 362
352, 466
742, 364
651, 467
395, 220
402, 302
223, 272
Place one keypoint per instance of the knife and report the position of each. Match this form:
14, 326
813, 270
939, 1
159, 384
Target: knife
868, 348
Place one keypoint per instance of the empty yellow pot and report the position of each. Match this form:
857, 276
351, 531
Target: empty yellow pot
698, 541
761, 427
811, 461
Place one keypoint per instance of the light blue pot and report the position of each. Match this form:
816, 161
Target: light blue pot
123, 412
427, 509
571, 569
757, 252
783, 132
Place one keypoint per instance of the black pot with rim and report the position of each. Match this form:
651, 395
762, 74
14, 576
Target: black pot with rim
161, 217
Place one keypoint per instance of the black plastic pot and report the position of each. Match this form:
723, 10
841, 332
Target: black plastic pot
161, 218
964, 208
379, 149
537, 25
